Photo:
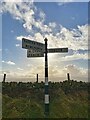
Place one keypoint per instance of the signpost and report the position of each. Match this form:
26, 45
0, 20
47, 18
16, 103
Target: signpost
46, 80
36, 49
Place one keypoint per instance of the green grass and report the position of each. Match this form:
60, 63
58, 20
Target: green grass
61, 106
21, 108
68, 99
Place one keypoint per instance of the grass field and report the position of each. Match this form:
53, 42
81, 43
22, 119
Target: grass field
27, 100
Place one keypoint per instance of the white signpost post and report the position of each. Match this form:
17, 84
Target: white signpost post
36, 49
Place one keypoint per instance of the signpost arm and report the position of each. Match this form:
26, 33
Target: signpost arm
46, 80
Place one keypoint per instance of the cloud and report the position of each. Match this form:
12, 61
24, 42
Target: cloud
76, 71
75, 56
76, 39
12, 31
37, 37
65, 2
73, 18
42, 15
17, 45
52, 24
21, 11
55, 73
3, 61
19, 69
10, 0
33, 21
8, 62
30, 16
19, 38
58, 36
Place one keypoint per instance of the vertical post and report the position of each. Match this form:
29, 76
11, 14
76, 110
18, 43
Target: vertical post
46, 81
37, 78
68, 76
4, 77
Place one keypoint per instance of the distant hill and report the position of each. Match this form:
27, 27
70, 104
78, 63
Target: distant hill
68, 99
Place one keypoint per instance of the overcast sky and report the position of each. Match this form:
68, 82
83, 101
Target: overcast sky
64, 24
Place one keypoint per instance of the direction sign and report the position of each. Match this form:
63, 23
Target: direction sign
57, 50
34, 54
29, 44
52, 50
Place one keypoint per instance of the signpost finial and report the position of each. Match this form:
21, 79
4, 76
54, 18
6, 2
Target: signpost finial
45, 39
